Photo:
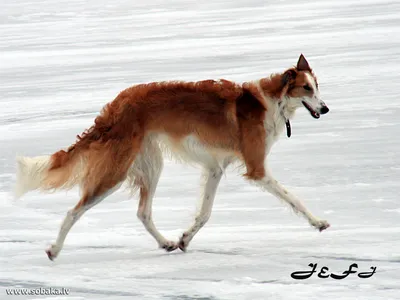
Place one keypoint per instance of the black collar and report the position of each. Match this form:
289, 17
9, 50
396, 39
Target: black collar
288, 128
287, 122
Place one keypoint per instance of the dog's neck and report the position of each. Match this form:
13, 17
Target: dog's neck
278, 111
278, 115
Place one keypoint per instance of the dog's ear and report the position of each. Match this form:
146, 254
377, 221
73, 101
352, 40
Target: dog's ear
288, 76
302, 64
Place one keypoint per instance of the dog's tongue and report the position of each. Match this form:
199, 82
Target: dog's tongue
315, 115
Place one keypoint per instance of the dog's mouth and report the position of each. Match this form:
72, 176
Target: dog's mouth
312, 112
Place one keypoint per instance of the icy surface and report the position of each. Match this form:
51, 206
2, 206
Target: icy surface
61, 61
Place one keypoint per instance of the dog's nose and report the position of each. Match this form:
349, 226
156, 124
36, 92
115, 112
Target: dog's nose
324, 110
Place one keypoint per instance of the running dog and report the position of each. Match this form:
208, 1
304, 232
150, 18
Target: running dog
211, 123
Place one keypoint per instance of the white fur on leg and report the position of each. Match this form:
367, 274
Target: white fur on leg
70, 219
144, 214
147, 170
274, 187
213, 177
30, 173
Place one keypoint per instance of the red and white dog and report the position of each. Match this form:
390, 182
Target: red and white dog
211, 123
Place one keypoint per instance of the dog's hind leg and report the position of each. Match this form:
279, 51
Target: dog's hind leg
144, 213
146, 172
212, 177
106, 168
73, 215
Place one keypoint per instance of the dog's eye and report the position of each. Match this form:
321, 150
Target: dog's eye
306, 87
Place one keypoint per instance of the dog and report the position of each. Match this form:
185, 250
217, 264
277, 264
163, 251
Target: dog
210, 123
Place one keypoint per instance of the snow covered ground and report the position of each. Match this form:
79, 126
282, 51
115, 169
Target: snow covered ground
61, 61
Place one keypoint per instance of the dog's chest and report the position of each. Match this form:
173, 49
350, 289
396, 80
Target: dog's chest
274, 126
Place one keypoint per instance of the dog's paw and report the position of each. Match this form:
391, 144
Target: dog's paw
169, 246
321, 225
52, 252
183, 242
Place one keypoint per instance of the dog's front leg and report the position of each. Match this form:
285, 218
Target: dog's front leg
268, 183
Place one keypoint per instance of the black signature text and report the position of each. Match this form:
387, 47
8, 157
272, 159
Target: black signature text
324, 272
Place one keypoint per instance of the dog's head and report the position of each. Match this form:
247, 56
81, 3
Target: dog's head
301, 89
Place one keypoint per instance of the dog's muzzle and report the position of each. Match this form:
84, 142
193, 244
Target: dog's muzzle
324, 109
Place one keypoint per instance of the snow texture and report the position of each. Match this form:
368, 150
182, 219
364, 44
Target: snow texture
61, 61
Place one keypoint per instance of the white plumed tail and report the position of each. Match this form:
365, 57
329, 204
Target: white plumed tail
30, 173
